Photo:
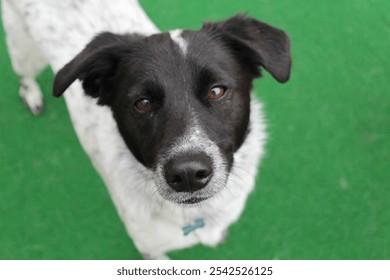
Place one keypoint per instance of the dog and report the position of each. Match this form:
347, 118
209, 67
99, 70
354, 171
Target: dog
168, 119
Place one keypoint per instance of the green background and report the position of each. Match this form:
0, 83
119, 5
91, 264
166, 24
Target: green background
323, 189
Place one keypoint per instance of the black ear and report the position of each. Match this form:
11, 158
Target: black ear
256, 44
95, 66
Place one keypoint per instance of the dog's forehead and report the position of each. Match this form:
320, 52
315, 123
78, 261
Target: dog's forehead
185, 45
177, 37
179, 53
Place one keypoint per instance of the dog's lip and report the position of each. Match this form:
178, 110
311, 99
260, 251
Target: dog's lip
193, 200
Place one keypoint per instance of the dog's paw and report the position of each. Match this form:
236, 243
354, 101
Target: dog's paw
224, 237
31, 95
151, 256
215, 238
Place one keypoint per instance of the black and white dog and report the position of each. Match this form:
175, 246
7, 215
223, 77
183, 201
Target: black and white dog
168, 119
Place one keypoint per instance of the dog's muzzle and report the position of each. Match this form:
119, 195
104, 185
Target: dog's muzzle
192, 170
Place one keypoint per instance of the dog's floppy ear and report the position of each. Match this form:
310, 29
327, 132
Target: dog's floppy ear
95, 66
255, 44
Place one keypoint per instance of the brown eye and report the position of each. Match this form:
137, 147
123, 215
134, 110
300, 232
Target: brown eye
216, 92
143, 105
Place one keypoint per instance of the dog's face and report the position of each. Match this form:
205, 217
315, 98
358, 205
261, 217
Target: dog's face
181, 99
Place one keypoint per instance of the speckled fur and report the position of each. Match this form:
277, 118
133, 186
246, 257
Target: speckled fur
53, 32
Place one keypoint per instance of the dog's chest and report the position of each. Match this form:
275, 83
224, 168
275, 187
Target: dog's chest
168, 229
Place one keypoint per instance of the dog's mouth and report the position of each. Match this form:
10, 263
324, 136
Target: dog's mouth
193, 200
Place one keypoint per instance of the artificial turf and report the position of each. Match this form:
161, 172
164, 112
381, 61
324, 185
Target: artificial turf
323, 190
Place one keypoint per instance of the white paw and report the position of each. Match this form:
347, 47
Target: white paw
31, 95
215, 237
224, 237
152, 256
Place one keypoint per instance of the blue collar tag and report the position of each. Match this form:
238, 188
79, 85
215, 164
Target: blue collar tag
187, 229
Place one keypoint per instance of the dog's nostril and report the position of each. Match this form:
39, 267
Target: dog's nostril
176, 180
202, 174
188, 173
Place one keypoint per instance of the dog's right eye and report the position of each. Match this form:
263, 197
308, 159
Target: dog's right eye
216, 92
143, 105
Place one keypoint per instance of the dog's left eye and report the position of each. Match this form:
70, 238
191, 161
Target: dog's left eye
143, 105
216, 92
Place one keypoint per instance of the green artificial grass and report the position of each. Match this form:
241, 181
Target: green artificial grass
323, 190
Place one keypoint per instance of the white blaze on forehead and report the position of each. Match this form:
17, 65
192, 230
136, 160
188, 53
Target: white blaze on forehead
179, 40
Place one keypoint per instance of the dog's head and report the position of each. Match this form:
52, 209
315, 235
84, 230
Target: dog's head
181, 100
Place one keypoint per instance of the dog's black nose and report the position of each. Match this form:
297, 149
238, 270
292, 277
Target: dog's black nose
188, 173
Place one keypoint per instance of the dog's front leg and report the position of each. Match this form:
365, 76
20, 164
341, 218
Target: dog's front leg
27, 60
152, 256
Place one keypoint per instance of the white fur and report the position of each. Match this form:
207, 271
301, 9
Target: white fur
31, 94
40, 31
179, 40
